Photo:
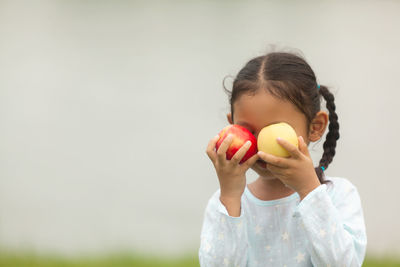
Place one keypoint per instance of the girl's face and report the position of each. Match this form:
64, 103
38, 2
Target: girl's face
257, 111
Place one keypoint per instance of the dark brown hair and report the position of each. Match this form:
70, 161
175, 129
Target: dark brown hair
289, 77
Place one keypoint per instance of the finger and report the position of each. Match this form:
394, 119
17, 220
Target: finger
221, 152
303, 147
250, 162
212, 154
292, 149
237, 157
274, 160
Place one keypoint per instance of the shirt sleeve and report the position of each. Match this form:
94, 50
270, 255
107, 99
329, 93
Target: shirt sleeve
223, 237
333, 223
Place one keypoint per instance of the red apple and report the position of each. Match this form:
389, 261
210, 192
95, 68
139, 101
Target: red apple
240, 136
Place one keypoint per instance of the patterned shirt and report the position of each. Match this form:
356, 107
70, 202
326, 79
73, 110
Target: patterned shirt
325, 229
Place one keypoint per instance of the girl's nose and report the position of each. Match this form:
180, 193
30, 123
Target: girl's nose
256, 134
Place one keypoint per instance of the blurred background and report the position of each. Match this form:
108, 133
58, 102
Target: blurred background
106, 108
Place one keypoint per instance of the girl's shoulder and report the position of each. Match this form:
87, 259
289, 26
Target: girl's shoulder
335, 181
340, 186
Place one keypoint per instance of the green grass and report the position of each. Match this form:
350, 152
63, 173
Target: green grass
389, 262
123, 260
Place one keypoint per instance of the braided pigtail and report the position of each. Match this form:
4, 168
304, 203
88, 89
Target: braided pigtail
332, 135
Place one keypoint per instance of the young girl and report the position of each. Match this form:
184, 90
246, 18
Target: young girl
292, 214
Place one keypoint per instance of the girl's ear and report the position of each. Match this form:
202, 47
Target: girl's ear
318, 126
229, 117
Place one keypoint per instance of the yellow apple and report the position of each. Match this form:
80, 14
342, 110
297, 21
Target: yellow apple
266, 140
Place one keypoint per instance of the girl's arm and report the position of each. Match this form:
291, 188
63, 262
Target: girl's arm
223, 237
334, 225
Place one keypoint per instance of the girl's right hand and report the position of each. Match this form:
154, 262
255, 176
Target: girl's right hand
231, 174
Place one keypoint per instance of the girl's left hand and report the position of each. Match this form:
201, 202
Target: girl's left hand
296, 171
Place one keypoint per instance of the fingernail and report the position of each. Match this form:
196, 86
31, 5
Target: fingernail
278, 138
248, 143
260, 153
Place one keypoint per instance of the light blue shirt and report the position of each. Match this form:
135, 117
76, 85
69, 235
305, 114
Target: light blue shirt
325, 229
